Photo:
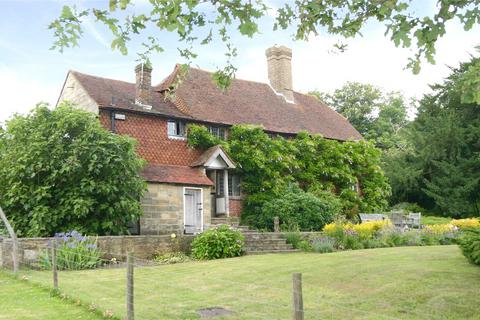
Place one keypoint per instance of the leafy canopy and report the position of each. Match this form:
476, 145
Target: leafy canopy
199, 22
60, 170
377, 115
438, 163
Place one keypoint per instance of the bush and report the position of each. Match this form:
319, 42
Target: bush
296, 207
293, 238
323, 244
217, 243
60, 170
74, 252
470, 245
172, 258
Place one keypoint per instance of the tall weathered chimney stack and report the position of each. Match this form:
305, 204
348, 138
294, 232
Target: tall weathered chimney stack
279, 60
143, 84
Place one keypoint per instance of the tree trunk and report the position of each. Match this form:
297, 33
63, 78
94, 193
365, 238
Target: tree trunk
13, 236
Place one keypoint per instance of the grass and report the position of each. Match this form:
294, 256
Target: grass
435, 220
390, 283
22, 300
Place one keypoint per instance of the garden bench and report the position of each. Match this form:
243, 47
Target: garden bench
365, 217
411, 220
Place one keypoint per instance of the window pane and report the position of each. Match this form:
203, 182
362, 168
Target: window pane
172, 128
220, 183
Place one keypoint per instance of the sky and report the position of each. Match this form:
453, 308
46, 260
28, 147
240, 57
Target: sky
30, 72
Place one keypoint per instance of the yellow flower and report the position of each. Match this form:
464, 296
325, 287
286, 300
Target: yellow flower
173, 236
466, 223
439, 229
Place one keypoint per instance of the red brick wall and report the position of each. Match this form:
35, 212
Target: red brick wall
235, 206
154, 145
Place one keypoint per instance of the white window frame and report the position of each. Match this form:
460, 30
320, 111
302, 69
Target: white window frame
211, 129
178, 124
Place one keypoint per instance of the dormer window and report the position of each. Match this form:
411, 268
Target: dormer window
218, 132
176, 129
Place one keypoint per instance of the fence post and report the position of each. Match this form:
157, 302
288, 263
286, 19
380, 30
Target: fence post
54, 264
297, 297
276, 224
130, 310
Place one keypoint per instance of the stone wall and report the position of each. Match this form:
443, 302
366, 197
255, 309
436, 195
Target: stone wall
112, 246
163, 211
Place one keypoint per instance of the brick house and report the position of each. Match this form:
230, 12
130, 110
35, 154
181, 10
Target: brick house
190, 189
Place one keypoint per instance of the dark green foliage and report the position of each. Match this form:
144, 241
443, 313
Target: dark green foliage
470, 245
438, 164
60, 170
298, 208
217, 243
327, 169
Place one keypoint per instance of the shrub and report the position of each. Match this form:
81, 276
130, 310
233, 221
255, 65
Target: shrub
466, 223
323, 244
470, 245
74, 252
60, 170
304, 209
293, 238
217, 243
172, 258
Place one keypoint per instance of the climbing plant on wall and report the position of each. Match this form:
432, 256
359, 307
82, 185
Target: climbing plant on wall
268, 165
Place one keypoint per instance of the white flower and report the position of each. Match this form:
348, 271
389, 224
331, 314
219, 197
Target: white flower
173, 236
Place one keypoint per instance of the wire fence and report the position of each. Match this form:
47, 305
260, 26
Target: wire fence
128, 287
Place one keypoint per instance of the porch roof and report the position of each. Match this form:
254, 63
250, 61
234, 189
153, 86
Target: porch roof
207, 159
175, 174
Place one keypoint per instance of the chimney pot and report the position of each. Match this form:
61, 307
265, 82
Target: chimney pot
143, 84
279, 61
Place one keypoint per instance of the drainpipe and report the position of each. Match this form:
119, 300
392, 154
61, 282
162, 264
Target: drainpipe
112, 121
225, 191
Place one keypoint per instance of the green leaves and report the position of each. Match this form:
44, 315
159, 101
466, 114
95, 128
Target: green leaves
60, 170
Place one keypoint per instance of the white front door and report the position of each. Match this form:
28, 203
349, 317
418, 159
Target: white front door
193, 206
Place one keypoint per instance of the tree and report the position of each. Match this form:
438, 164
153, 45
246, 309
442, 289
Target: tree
378, 116
60, 170
440, 166
199, 22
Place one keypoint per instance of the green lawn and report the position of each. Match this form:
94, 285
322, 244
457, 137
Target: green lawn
391, 283
435, 220
22, 300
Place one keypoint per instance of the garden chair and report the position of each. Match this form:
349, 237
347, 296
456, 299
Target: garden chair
413, 219
398, 218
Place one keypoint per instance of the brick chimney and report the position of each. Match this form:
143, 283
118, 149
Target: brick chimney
279, 60
143, 85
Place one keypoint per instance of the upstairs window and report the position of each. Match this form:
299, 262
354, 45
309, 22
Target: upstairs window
218, 132
176, 129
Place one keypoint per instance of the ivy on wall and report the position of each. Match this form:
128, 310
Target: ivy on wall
269, 165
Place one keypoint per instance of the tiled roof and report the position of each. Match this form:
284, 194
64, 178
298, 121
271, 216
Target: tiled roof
245, 102
121, 95
257, 103
175, 174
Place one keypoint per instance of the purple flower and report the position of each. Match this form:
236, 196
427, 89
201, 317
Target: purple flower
71, 245
91, 246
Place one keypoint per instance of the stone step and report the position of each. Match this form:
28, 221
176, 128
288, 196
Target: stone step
272, 251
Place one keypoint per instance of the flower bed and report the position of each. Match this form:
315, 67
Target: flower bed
344, 235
